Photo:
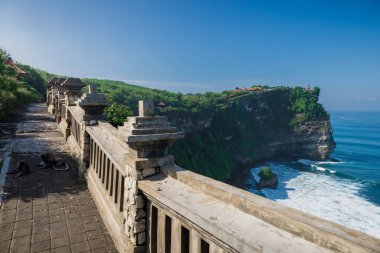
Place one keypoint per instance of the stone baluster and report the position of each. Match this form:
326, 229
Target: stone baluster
148, 137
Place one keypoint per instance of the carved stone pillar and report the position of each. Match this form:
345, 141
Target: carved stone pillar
92, 105
72, 90
148, 137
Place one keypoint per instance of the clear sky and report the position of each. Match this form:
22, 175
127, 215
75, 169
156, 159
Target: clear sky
197, 46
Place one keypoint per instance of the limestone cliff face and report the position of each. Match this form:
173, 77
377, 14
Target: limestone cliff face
257, 126
312, 141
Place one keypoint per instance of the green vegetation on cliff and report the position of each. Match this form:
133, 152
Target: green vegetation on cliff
223, 129
305, 106
128, 94
214, 150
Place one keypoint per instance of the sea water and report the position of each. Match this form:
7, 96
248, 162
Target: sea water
346, 190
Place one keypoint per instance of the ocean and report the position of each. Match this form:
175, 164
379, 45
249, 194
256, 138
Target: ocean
346, 190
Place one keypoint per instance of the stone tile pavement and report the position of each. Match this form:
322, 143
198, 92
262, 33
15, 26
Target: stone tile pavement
50, 211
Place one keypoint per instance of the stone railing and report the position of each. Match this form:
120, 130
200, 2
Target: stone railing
151, 205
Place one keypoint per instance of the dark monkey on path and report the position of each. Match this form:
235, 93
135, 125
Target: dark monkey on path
21, 169
49, 161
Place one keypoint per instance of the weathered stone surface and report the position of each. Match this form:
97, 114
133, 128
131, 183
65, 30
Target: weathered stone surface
140, 214
139, 201
148, 172
146, 108
141, 238
44, 145
91, 89
139, 226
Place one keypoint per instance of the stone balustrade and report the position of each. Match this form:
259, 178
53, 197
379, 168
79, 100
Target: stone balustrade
149, 204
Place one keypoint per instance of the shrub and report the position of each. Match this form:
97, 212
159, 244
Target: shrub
265, 172
117, 113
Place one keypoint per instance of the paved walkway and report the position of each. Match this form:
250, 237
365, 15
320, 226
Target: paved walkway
47, 210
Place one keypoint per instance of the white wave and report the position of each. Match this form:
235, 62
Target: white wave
314, 165
318, 168
328, 197
329, 162
322, 169
310, 162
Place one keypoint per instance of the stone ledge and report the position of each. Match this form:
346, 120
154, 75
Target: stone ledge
110, 146
226, 225
76, 112
322, 232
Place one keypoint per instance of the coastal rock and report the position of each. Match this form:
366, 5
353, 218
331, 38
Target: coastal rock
313, 140
268, 182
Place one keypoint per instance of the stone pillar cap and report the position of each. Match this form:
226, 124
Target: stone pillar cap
147, 129
146, 108
72, 83
93, 99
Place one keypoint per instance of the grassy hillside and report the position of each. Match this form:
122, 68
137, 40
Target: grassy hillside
17, 89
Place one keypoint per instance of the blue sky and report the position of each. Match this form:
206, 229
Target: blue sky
197, 46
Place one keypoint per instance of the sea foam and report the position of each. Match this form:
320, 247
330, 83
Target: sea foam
324, 195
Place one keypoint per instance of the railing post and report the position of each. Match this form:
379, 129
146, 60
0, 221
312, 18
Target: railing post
92, 105
148, 137
51, 90
60, 100
72, 90
56, 92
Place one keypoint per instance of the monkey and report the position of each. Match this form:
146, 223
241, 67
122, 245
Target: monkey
22, 168
49, 161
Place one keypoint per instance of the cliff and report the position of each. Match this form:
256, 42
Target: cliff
230, 131
256, 126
